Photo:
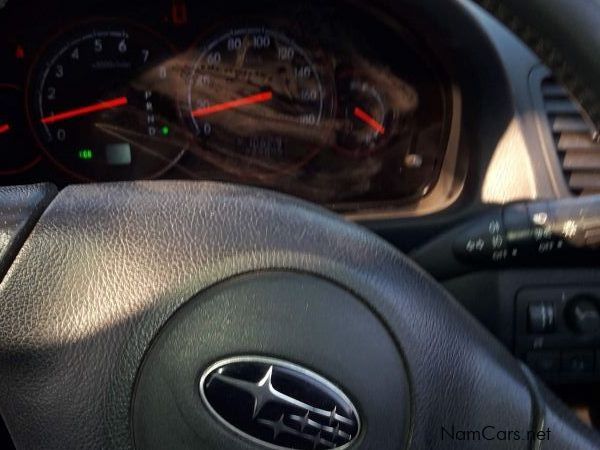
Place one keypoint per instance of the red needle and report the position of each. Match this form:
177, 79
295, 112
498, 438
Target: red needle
369, 120
102, 106
4, 128
251, 100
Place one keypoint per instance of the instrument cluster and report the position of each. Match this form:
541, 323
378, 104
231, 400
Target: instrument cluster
330, 101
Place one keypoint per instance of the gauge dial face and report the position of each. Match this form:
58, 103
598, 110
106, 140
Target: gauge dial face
101, 106
17, 154
367, 118
256, 98
373, 110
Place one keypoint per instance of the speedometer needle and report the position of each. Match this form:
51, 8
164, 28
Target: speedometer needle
366, 118
245, 101
78, 112
4, 128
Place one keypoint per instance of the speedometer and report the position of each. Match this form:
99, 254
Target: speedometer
100, 104
256, 98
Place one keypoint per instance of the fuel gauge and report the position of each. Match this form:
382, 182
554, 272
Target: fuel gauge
17, 154
374, 108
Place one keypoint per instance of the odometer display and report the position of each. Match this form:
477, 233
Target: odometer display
256, 98
100, 103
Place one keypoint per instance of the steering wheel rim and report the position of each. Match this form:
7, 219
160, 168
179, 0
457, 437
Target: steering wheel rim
108, 266
116, 261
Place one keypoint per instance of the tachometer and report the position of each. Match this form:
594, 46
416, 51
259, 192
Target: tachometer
257, 98
16, 153
101, 106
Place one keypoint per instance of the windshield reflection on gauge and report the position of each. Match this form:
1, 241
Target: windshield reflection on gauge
317, 106
98, 105
256, 98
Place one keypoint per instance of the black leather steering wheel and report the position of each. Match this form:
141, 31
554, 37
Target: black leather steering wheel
149, 315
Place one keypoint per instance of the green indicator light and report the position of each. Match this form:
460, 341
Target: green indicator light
165, 130
86, 154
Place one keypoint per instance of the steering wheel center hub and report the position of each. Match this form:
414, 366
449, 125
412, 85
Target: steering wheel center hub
272, 360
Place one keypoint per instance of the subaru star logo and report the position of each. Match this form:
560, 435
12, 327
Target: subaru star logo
279, 405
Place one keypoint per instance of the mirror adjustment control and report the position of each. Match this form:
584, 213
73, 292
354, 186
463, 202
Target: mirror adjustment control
583, 315
541, 318
557, 332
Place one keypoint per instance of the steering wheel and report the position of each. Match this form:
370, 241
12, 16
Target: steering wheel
173, 315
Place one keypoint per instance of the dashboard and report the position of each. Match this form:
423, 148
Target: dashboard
334, 102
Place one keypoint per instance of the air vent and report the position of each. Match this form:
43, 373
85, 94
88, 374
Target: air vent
574, 135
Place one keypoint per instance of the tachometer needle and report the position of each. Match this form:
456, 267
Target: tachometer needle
78, 112
245, 101
366, 118
4, 128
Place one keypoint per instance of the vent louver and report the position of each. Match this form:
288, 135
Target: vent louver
573, 135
